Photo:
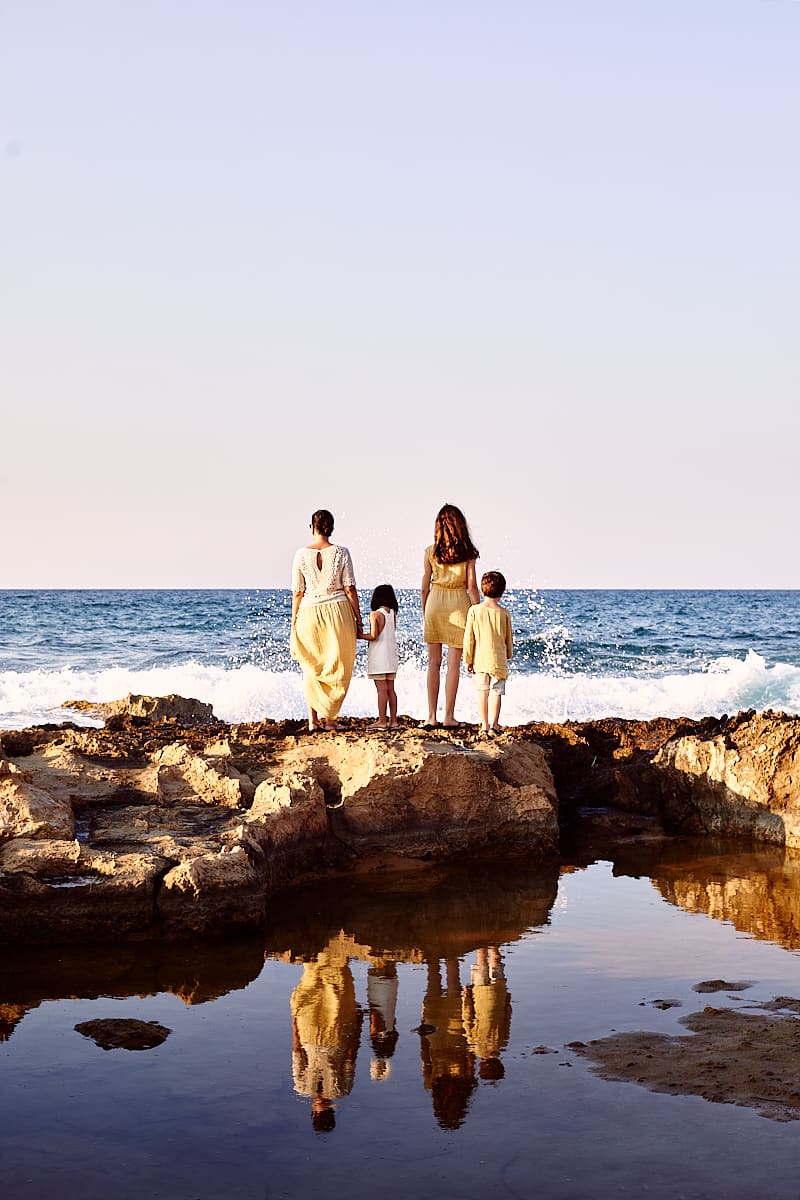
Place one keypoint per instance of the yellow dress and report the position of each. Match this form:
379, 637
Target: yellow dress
323, 639
448, 603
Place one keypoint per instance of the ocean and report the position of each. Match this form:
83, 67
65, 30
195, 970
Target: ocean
578, 655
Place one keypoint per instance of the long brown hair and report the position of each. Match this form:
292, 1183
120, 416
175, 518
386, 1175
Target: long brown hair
451, 540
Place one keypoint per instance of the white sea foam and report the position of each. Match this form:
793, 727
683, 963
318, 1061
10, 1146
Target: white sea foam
249, 693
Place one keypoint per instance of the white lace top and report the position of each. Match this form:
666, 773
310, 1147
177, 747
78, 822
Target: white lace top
322, 585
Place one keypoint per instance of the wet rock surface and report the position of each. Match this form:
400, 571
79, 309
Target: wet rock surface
728, 1057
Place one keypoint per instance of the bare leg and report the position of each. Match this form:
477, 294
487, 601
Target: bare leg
483, 710
451, 684
392, 700
383, 699
495, 701
434, 669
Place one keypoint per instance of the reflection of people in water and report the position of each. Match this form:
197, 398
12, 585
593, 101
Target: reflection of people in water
382, 999
448, 1064
487, 1012
326, 1028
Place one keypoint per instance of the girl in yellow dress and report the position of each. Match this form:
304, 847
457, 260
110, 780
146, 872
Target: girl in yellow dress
449, 586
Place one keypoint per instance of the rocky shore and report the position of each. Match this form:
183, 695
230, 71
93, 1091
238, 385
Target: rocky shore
166, 823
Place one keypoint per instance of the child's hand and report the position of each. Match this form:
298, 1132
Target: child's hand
470, 669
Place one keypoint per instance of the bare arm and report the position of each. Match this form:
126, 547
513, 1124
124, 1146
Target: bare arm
472, 583
469, 644
352, 596
376, 623
425, 587
296, 598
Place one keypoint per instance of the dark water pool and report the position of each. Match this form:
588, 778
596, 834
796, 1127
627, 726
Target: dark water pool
407, 1036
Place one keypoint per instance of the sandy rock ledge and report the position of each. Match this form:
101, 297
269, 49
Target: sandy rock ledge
166, 826
167, 823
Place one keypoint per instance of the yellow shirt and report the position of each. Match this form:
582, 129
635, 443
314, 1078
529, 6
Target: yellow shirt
487, 640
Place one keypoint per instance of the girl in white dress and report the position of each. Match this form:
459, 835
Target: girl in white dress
382, 653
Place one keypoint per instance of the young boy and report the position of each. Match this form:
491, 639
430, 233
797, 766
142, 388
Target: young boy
487, 649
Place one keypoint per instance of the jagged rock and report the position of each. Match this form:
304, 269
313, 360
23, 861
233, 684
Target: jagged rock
212, 893
143, 829
164, 708
43, 857
148, 708
735, 778
183, 776
29, 811
286, 829
436, 804
100, 897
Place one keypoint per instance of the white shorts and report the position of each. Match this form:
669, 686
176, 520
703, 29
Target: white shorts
484, 682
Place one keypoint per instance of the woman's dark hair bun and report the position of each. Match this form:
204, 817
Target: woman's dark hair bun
322, 522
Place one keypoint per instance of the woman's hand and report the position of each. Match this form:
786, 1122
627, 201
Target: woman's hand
472, 583
352, 596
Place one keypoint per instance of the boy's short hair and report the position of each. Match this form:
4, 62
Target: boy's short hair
493, 584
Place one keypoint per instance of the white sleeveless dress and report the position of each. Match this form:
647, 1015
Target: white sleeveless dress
382, 653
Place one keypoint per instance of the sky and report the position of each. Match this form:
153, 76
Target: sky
537, 259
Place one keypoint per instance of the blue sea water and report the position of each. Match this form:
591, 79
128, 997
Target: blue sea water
578, 654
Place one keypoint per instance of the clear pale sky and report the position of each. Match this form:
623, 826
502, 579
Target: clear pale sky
539, 259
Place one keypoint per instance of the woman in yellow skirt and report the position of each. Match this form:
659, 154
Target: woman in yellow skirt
449, 586
326, 620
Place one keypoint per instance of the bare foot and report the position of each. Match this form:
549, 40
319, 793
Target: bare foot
376, 725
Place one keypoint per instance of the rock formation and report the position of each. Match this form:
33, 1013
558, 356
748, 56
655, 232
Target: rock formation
166, 823
159, 826
737, 777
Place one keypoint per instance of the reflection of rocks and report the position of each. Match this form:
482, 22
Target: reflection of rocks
124, 1033
435, 912
725, 1061
757, 891
194, 971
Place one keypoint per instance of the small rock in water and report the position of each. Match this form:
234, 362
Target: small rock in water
123, 1033
722, 985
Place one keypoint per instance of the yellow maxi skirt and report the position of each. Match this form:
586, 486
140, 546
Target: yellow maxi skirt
323, 641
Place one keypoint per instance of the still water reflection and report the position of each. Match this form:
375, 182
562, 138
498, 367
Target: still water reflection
413, 1026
